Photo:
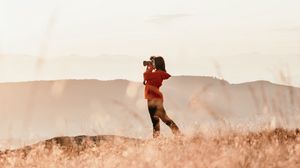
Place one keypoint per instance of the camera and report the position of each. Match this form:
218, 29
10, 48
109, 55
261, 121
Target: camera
146, 63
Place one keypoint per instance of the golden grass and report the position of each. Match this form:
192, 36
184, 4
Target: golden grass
276, 148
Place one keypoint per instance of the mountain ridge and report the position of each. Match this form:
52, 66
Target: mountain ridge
50, 108
177, 77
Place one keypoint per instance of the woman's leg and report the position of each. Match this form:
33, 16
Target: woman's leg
154, 118
165, 118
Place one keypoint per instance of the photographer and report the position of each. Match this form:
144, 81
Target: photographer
153, 77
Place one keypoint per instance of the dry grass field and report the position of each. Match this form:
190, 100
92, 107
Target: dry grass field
274, 148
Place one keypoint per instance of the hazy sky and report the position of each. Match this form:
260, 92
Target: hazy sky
239, 40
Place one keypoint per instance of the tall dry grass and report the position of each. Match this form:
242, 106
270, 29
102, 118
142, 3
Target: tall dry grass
276, 148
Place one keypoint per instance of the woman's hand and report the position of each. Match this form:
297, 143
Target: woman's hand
149, 68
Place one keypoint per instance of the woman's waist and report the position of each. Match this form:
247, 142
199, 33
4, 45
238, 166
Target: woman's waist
152, 92
153, 85
150, 88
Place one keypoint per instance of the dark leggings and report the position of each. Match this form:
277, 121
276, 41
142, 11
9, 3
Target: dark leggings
157, 112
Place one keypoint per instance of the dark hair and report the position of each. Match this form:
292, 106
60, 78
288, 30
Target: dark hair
160, 63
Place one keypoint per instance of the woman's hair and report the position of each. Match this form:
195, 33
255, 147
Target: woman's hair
160, 63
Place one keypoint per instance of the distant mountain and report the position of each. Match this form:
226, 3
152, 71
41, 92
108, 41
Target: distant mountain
45, 109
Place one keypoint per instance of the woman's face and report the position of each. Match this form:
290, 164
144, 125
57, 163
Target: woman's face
153, 63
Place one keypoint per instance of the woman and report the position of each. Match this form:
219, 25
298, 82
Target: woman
153, 78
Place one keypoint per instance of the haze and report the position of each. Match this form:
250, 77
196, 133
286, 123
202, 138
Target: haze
236, 40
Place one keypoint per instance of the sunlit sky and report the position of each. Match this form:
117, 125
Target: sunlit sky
236, 40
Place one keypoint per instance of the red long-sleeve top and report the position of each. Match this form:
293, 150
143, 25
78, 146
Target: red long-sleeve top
153, 81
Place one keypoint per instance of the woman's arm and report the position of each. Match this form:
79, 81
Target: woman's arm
148, 74
165, 75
